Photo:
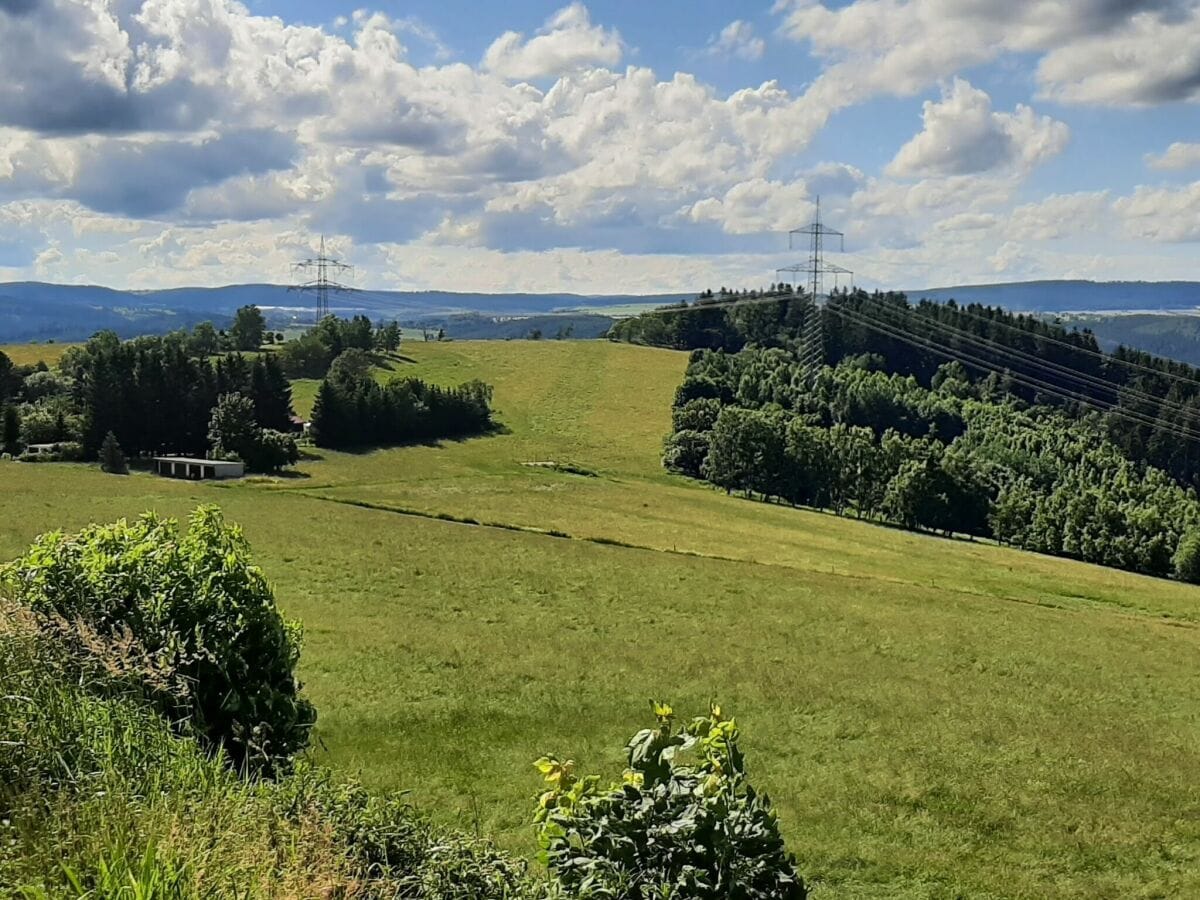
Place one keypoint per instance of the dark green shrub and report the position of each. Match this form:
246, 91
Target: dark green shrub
112, 459
234, 435
218, 658
670, 830
1187, 558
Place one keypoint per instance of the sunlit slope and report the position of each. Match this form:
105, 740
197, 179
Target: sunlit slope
32, 354
933, 718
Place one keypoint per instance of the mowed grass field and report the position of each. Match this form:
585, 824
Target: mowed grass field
933, 718
31, 354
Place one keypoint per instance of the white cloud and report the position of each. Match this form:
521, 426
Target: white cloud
962, 135
737, 39
1059, 216
153, 142
756, 206
967, 222
567, 41
1152, 59
1162, 214
1093, 51
1176, 157
47, 261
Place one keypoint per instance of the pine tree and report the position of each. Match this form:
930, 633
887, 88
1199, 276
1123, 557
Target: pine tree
328, 420
112, 458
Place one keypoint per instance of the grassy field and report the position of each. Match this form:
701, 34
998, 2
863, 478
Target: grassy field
31, 354
933, 718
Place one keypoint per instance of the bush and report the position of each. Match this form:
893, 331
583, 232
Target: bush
272, 451
218, 659
669, 830
234, 435
1187, 558
63, 451
686, 451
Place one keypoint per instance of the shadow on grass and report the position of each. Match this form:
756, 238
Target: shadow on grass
497, 428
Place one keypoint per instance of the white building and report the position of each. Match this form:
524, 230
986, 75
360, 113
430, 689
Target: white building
197, 469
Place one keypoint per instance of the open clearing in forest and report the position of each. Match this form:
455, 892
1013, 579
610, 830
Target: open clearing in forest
933, 718
31, 354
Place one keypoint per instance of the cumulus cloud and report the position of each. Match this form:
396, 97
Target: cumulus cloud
141, 179
1178, 156
737, 39
1093, 51
962, 135
1162, 214
1154, 58
756, 206
157, 142
566, 42
1059, 216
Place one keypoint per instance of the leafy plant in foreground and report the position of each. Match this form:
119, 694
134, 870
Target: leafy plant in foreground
669, 831
218, 659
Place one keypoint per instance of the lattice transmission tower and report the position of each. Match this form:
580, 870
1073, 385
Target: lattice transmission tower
315, 274
812, 334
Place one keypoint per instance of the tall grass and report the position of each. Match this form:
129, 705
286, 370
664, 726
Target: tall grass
100, 799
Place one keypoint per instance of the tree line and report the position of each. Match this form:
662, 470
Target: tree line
1029, 358
352, 409
957, 456
180, 392
153, 395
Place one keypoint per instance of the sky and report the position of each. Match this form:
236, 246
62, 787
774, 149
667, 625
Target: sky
598, 147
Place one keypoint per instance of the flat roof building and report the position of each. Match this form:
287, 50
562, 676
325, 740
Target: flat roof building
198, 469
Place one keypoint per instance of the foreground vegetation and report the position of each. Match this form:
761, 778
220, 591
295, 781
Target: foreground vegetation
932, 718
148, 693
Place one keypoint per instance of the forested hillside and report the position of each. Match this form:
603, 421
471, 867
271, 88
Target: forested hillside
961, 457
1150, 406
1174, 336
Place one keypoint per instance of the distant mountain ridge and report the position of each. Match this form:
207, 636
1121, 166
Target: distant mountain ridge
31, 310
1072, 295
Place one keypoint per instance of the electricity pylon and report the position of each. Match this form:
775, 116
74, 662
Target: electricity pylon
320, 266
812, 334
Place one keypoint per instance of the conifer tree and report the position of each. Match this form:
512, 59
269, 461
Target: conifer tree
112, 458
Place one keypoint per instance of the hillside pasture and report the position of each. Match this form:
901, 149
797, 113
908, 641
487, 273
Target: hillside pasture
32, 354
934, 718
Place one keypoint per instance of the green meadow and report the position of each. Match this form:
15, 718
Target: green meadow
933, 718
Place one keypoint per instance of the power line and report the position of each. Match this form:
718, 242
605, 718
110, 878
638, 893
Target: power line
1107, 357
974, 362
1022, 356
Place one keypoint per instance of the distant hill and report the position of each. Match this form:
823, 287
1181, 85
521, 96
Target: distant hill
1171, 335
1071, 296
40, 311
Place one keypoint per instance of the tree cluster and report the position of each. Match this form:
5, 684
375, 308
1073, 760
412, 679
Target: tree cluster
962, 457
152, 394
234, 434
352, 409
311, 354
